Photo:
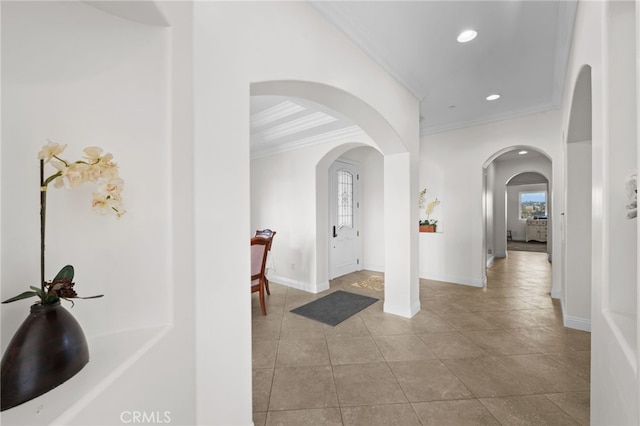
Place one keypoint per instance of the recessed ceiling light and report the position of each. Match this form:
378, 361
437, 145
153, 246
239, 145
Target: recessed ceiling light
493, 97
467, 35
523, 152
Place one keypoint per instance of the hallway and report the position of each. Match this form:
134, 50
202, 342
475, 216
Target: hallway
492, 356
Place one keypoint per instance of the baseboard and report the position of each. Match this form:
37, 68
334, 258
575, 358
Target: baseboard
394, 310
500, 254
320, 287
577, 323
490, 261
556, 294
300, 285
473, 282
374, 268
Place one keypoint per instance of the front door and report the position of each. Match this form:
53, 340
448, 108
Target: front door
344, 247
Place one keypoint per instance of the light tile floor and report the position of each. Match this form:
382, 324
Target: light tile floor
471, 356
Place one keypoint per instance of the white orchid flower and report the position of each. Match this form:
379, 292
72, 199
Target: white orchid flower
50, 150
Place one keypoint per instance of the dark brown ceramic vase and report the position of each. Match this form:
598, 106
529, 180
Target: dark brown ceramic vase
48, 349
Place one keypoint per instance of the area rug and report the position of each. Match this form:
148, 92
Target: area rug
334, 308
374, 282
524, 246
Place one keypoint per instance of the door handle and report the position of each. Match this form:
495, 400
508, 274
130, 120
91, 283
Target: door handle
334, 231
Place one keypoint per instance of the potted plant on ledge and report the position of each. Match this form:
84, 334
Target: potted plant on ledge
50, 347
427, 225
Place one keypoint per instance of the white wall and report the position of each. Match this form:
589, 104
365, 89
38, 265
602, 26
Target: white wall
54, 71
490, 194
622, 153
79, 76
577, 297
456, 255
604, 39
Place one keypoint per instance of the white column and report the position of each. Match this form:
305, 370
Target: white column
401, 234
222, 218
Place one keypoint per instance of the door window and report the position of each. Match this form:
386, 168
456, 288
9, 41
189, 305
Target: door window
345, 199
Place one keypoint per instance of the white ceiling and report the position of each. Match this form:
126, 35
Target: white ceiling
514, 156
520, 52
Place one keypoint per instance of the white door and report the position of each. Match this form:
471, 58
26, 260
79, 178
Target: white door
344, 247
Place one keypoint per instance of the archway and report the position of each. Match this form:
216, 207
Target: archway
500, 169
385, 138
400, 173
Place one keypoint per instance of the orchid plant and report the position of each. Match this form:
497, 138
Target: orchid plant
95, 167
428, 207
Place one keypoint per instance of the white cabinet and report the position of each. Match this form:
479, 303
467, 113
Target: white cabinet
536, 230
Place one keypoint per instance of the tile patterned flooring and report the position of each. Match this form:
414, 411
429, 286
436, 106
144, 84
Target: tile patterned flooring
471, 356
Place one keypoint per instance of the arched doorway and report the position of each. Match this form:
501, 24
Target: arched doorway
517, 165
400, 242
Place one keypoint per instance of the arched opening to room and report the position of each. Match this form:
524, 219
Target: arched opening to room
368, 210
517, 204
291, 187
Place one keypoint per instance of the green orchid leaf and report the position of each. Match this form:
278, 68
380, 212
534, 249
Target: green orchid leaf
37, 290
89, 297
21, 296
65, 274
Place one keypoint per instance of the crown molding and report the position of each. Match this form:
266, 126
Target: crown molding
346, 134
564, 38
447, 127
362, 38
306, 122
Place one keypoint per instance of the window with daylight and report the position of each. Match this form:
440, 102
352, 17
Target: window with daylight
345, 199
533, 204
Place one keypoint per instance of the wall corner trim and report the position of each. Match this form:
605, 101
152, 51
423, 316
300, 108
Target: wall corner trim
583, 324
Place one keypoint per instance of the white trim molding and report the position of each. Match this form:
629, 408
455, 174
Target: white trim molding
473, 282
300, 285
577, 323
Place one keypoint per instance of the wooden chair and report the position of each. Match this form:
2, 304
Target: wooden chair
258, 263
268, 234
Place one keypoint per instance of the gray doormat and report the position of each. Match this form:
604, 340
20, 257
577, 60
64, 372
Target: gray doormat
334, 308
